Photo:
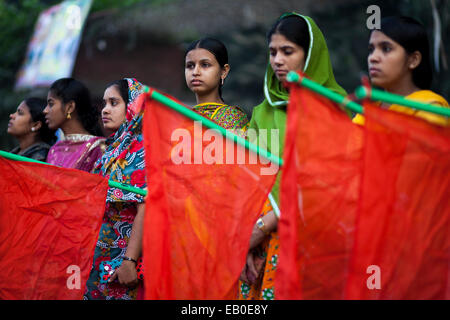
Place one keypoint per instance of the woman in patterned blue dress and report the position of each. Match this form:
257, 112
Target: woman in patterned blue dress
120, 236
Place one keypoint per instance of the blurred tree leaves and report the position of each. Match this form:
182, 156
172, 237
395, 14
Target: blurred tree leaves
17, 21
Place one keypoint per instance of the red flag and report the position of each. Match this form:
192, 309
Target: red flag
50, 220
365, 210
402, 238
319, 194
203, 200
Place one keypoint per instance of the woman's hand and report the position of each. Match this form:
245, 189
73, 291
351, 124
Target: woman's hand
126, 274
253, 267
254, 263
249, 274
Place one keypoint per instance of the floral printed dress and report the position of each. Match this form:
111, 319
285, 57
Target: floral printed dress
112, 244
123, 162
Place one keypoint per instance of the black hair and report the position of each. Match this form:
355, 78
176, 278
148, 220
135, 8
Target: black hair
36, 107
216, 47
412, 36
69, 89
294, 28
122, 86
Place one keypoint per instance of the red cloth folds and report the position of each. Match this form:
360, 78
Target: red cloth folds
320, 186
199, 213
51, 218
364, 209
403, 226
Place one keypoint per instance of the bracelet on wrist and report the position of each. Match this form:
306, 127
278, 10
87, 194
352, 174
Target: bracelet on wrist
129, 259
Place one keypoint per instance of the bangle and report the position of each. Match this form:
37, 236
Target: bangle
261, 226
129, 259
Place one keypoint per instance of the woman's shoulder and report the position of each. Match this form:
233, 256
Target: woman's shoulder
39, 151
230, 116
428, 96
97, 142
234, 109
97, 139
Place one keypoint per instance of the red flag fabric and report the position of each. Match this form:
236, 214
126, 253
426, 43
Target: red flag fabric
365, 210
319, 194
402, 238
50, 220
204, 196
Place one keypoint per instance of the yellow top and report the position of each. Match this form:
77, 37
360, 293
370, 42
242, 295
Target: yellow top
426, 96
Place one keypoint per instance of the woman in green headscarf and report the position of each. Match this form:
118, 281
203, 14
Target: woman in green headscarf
295, 43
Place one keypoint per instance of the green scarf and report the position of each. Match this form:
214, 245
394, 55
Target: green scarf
271, 113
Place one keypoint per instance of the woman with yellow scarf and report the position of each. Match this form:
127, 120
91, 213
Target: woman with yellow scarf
399, 62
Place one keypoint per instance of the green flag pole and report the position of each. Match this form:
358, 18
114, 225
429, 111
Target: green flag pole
327, 93
210, 124
186, 112
378, 95
111, 183
16, 157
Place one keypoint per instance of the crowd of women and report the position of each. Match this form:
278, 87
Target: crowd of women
398, 62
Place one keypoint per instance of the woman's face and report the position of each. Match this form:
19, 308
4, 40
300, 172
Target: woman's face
202, 71
55, 114
285, 56
20, 122
114, 110
388, 61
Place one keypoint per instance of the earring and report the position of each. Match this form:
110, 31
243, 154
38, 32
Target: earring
69, 116
33, 129
221, 81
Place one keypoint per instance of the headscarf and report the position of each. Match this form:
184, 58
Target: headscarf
123, 160
271, 113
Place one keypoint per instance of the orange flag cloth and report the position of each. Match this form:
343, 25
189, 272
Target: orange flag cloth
50, 220
203, 200
402, 238
320, 189
365, 210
